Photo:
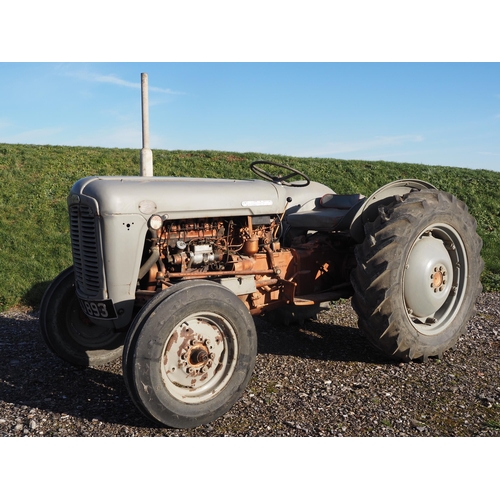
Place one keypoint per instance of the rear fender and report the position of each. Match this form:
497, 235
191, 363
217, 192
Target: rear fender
369, 209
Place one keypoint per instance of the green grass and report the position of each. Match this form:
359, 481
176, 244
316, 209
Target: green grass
35, 180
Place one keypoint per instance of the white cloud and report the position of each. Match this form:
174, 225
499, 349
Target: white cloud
114, 80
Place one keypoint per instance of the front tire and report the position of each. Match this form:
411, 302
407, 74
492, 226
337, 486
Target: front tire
418, 275
189, 354
68, 332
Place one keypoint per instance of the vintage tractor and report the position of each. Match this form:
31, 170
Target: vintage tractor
167, 272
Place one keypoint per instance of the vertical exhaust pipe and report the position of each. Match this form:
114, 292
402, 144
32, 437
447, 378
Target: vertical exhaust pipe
146, 153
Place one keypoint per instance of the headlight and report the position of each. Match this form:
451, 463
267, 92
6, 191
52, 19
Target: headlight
155, 222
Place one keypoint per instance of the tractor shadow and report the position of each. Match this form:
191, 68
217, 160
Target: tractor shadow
32, 377
317, 339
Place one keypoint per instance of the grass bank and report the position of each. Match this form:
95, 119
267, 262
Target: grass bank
35, 180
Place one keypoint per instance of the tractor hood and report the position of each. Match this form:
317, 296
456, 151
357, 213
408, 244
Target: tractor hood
184, 197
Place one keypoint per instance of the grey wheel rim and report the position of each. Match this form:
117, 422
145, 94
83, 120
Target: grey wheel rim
435, 279
199, 357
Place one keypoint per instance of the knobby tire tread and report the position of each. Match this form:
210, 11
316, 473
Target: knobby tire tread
379, 260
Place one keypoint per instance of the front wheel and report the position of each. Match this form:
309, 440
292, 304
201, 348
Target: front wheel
189, 354
69, 333
418, 275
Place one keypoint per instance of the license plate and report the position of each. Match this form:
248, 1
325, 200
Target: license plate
103, 309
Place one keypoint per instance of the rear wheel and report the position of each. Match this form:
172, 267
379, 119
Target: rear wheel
189, 354
69, 333
418, 275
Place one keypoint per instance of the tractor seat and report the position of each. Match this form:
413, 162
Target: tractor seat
331, 212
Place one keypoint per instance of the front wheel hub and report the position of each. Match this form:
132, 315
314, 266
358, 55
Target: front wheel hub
198, 355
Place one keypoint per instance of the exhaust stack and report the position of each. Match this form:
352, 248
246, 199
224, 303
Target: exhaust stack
146, 153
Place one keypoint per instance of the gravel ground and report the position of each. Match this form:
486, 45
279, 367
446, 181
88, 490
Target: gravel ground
319, 379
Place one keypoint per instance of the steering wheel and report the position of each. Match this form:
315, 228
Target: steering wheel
279, 179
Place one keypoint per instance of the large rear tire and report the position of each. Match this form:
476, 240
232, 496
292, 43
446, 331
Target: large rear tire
418, 275
69, 333
189, 354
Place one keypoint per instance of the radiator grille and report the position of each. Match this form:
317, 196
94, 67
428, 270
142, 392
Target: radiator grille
84, 241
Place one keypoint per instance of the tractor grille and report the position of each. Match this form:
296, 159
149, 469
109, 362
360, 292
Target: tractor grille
84, 241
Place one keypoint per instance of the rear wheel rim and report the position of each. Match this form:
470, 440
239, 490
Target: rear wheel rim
435, 279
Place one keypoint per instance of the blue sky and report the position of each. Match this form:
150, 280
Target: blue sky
381, 80
430, 113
